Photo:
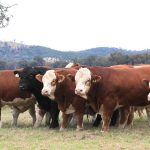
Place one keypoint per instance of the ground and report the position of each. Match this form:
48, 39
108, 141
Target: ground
24, 137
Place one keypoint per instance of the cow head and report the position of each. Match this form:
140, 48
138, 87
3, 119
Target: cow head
50, 80
27, 77
84, 80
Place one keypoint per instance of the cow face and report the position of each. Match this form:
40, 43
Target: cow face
27, 77
148, 97
84, 81
50, 80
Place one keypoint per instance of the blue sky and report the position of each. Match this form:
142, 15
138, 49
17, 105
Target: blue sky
79, 24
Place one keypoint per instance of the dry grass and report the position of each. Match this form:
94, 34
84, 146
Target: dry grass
27, 138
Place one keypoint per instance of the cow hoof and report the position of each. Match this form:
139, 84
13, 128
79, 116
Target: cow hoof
62, 129
54, 125
121, 126
36, 125
104, 131
79, 129
14, 126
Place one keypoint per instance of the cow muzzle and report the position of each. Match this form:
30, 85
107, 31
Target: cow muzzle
45, 92
22, 87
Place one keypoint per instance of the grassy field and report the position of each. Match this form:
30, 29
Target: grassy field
27, 138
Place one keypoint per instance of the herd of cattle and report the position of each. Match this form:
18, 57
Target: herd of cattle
110, 93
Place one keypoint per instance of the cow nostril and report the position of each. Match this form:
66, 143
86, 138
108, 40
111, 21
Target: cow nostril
45, 92
80, 90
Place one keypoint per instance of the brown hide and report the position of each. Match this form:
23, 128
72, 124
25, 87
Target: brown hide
65, 97
9, 86
123, 86
121, 66
64, 93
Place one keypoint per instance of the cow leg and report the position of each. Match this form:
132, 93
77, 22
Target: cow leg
130, 117
79, 118
97, 120
40, 114
106, 116
65, 119
15, 114
32, 113
54, 112
114, 118
47, 119
124, 113
72, 119
148, 115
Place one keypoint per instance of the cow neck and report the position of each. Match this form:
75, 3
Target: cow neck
93, 96
62, 95
59, 95
94, 92
36, 90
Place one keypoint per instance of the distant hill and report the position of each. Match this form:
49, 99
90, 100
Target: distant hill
12, 51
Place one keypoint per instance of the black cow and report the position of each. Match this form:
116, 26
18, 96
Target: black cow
28, 82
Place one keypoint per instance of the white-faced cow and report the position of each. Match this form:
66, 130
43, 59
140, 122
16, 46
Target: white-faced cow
107, 89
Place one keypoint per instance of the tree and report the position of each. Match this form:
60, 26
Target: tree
4, 17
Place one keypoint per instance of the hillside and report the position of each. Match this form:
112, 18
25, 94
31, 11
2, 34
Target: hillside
12, 51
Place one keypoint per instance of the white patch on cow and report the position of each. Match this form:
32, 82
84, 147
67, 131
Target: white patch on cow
117, 106
101, 110
48, 88
148, 96
17, 75
82, 76
39, 118
69, 65
1, 124
70, 110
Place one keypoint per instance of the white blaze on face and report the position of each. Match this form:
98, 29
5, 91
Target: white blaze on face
82, 79
148, 97
49, 85
69, 65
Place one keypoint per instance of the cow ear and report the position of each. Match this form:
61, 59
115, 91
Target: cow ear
71, 77
96, 78
17, 74
39, 77
60, 78
147, 82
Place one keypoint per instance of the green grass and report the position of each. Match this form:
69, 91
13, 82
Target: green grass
24, 137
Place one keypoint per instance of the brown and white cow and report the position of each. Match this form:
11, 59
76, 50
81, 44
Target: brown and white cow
107, 89
11, 95
144, 71
57, 87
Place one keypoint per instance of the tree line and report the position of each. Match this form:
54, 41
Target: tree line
113, 59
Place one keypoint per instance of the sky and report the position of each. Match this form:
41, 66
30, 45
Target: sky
72, 25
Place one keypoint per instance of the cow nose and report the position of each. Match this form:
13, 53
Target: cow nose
45, 92
78, 90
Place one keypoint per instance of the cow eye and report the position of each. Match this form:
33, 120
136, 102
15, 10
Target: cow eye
88, 82
53, 82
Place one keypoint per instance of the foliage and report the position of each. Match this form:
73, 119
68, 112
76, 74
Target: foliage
4, 17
